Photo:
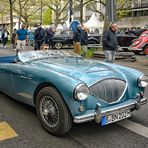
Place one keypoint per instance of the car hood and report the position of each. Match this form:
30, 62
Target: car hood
88, 71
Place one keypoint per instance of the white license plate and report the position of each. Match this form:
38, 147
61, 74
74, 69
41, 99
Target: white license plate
116, 116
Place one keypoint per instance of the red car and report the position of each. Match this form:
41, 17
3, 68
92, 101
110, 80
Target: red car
140, 44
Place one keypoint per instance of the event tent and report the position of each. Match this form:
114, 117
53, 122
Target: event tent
93, 23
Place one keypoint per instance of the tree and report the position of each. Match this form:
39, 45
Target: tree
82, 3
59, 7
47, 17
26, 10
10, 3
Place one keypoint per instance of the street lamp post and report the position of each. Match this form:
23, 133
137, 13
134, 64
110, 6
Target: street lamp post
70, 11
111, 10
41, 15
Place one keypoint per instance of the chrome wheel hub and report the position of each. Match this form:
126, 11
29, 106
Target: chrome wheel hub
49, 111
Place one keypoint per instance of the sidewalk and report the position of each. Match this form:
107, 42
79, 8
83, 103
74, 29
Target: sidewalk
9, 51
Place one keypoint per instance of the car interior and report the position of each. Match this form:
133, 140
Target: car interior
9, 59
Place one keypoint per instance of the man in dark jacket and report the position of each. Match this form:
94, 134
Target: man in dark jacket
84, 40
39, 37
110, 43
49, 37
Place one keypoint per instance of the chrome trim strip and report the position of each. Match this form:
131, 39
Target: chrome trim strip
92, 115
84, 118
143, 101
129, 106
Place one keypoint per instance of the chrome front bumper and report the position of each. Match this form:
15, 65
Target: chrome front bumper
97, 115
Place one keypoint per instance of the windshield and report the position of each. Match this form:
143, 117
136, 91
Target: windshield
27, 56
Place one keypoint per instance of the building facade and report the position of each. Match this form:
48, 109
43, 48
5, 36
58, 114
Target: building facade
137, 15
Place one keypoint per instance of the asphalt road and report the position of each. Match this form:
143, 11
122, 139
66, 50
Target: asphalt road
30, 134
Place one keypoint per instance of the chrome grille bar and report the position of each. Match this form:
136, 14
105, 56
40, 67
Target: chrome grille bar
109, 90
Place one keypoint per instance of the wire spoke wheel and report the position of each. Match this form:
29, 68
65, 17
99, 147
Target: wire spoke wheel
52, 111
49, 111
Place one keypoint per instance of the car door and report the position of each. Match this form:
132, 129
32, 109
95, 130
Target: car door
5, 79
23, 83
67, 36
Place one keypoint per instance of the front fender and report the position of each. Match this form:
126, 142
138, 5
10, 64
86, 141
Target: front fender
143, 45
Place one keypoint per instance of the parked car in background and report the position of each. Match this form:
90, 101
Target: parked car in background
65, 88
124, 41
140, 44
65, 38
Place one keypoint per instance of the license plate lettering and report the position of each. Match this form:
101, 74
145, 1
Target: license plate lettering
116, 117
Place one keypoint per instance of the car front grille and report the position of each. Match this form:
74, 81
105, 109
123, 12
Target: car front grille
109, 90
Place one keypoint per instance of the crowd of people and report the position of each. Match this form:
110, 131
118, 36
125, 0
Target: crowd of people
43, 36
19, 39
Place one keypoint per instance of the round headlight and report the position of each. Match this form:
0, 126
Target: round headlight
143, 80
81, 92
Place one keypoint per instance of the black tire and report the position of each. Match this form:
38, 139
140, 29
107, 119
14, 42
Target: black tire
92, 42
55, 117
137, 52
58, 45
145, 50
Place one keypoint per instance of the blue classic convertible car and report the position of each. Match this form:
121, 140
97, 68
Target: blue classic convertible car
65, 88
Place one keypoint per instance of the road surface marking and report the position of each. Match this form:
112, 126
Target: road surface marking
6, 132
134, 127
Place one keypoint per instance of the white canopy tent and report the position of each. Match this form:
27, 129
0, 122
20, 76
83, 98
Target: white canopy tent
93, 23
59, 27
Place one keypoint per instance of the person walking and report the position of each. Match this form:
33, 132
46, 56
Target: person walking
50, 36
110, 43
5, 34
39, 37
84, 40
13, 39
76, 39
21, 36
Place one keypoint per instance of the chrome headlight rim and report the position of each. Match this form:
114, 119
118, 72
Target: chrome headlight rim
79, 89
143, 80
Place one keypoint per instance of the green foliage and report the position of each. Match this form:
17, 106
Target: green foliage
122, 13
89, 53
47, 17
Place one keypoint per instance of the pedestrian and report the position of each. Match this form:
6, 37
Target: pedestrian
5, 34
50, 36
13, 39
39, 37
22, 37
76, 39
110, 43
84, 40
0, 35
